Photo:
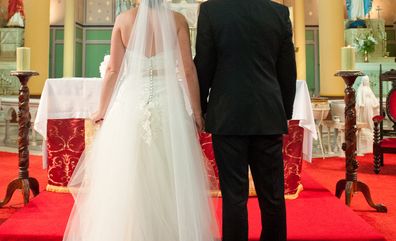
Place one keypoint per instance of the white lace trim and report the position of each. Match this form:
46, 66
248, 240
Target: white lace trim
147, 134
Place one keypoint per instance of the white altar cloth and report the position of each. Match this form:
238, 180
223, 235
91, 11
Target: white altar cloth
68, 98
302, 111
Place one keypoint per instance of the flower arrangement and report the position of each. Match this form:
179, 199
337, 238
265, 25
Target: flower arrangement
365, 43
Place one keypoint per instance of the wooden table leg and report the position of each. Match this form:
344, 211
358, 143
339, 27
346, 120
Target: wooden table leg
23, 182
351, 184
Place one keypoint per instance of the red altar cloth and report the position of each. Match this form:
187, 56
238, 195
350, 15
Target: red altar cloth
67, 138
66, 143
292, 155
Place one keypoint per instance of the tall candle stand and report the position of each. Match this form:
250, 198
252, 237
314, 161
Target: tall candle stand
23, 182
351, 184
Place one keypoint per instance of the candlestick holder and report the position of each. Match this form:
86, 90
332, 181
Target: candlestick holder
351, 184
23, 182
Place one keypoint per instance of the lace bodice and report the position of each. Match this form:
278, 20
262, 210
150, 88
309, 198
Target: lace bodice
151, 86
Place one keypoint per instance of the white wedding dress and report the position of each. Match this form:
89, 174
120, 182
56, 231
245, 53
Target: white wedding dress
143, 178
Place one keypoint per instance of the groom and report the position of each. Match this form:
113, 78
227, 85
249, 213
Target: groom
245, 60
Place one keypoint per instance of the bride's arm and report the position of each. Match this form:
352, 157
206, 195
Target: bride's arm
117, 51
190, 70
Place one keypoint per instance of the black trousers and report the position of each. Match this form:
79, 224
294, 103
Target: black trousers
234, 154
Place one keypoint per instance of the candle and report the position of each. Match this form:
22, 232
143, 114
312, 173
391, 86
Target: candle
348, 58
23, 59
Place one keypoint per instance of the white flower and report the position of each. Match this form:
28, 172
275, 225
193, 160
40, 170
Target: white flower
103, 66
372, 39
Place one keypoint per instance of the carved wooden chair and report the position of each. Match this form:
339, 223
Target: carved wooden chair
385, 139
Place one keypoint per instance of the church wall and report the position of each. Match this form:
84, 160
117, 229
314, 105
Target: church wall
57, 11
95, 39
99, 12
78, 64
311, 14
92, 44
97, 45
37, 38
3, 3
391, 35
388, 10
3, 12
312, 59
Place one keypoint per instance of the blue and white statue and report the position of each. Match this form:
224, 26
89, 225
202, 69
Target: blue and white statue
358, 9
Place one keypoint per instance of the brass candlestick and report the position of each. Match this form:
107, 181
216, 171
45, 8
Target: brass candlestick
23, 182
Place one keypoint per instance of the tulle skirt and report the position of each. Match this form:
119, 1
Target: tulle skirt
142, 180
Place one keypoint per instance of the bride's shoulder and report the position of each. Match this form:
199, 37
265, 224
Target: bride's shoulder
126, 17
179, 19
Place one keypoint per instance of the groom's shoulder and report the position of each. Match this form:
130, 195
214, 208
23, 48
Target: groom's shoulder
209, 6
279, 7
212, 3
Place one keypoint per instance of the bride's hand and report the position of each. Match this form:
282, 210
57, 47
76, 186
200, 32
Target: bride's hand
200, 123
97, 117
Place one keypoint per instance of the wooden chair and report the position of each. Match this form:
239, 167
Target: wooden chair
383, 140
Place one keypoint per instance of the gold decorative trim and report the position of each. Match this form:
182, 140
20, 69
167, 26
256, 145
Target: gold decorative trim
300, 188
52, 188
215, 193
252, 193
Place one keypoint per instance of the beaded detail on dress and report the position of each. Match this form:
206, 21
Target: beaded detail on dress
148, 105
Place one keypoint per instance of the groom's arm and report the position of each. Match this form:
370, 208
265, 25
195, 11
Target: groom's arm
286, 67
205, 58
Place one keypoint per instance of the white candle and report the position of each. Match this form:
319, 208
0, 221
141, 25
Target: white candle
23, 59
348, 58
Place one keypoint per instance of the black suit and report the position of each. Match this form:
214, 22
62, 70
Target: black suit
245, 58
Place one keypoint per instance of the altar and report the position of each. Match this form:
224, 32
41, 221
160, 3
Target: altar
67, 104
378, 57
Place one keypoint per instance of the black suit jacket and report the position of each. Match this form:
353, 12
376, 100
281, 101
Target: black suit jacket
245, 59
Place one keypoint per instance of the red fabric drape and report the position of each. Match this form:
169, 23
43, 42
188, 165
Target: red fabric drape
66, 142
292, 155
15, 6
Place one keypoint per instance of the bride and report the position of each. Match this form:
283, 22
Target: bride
143, 178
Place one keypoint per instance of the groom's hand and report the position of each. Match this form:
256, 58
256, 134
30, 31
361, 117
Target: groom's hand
200, 123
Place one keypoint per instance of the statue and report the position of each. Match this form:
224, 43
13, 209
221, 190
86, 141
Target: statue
16, 14
15, 6
358, 9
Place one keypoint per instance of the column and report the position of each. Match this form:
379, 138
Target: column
37, 30
299, 37
331, 39
69, 50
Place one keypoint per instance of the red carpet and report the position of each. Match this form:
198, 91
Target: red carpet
316, 215
328, 171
